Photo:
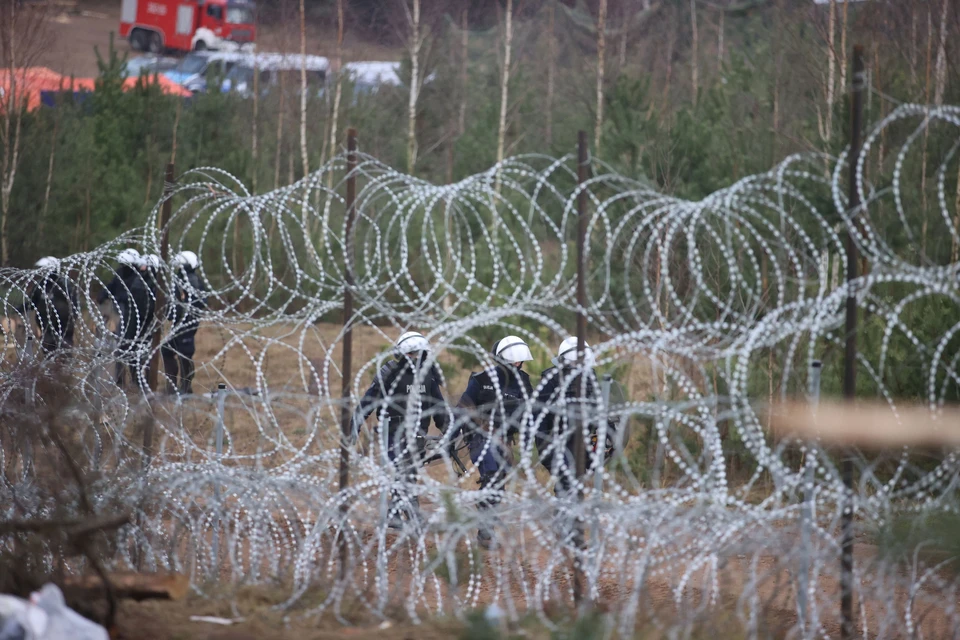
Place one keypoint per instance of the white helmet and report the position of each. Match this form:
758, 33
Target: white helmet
152, 261
129, 257
412, 341
186, 259
511, 350
567, 353
48, 262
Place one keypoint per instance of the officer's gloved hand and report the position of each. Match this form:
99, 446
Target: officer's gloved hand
452, 448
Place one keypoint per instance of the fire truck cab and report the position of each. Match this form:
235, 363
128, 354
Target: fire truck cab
187, 25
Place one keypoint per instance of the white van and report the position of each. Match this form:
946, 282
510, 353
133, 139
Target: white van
368, 77
270, 67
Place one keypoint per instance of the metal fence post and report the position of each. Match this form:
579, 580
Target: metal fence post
221, 397
346, 414
850, 351
806, 509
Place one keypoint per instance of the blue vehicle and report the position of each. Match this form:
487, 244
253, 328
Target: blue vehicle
150, 64
196, 68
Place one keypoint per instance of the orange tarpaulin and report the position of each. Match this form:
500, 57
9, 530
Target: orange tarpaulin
25, 84
29, 82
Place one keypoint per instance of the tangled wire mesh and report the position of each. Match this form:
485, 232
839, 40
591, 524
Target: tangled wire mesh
702, 313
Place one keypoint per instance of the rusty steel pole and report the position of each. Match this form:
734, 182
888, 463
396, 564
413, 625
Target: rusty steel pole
579, 446
850, 350
346, 366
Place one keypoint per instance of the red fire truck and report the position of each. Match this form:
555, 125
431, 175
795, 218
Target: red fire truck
186, 25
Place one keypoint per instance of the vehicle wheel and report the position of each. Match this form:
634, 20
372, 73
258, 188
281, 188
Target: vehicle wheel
200, 46
138, 40
155, 44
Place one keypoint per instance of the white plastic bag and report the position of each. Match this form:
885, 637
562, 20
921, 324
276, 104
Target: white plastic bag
45, 617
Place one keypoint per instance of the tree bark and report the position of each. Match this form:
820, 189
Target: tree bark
914, 54
46, 192
601, 55
955, 247
254, 147
551, 71
671, 43
338, 92
464, 78
827, 132
504, 86
304, 155
842, 54
24, 37
276, 158
622, 58
941, 68
414, 45
11, 147
926, 131
695, 51
720, 38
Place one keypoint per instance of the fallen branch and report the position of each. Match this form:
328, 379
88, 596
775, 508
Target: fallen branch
71, 528
869, 425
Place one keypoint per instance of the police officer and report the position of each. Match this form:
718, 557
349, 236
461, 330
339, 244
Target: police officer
150, 270
54, 299
560, 399
184, 314
402, 385
135, 303
494, 402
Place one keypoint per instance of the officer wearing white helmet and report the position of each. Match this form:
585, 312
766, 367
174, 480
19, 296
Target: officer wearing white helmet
405, 384
128, 264
149, 270
130, 292
184, 314
493, 405
563, 389
54, 298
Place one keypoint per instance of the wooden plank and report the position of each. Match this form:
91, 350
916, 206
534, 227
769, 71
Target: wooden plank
133, 586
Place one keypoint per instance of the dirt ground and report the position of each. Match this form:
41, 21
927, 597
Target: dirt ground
77, 27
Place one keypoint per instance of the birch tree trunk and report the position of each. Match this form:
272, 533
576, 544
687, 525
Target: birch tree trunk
280, 116
842, 54
50, 164
955, 246
338, 92
941, 68
304, 156
622, 57
926, 131
827, 132
24, 37
254, 150
415, 43
12, 117
913, 42
504, 86
695, 50
671, 43
551, 70
720, 30
601, 55
464, 78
